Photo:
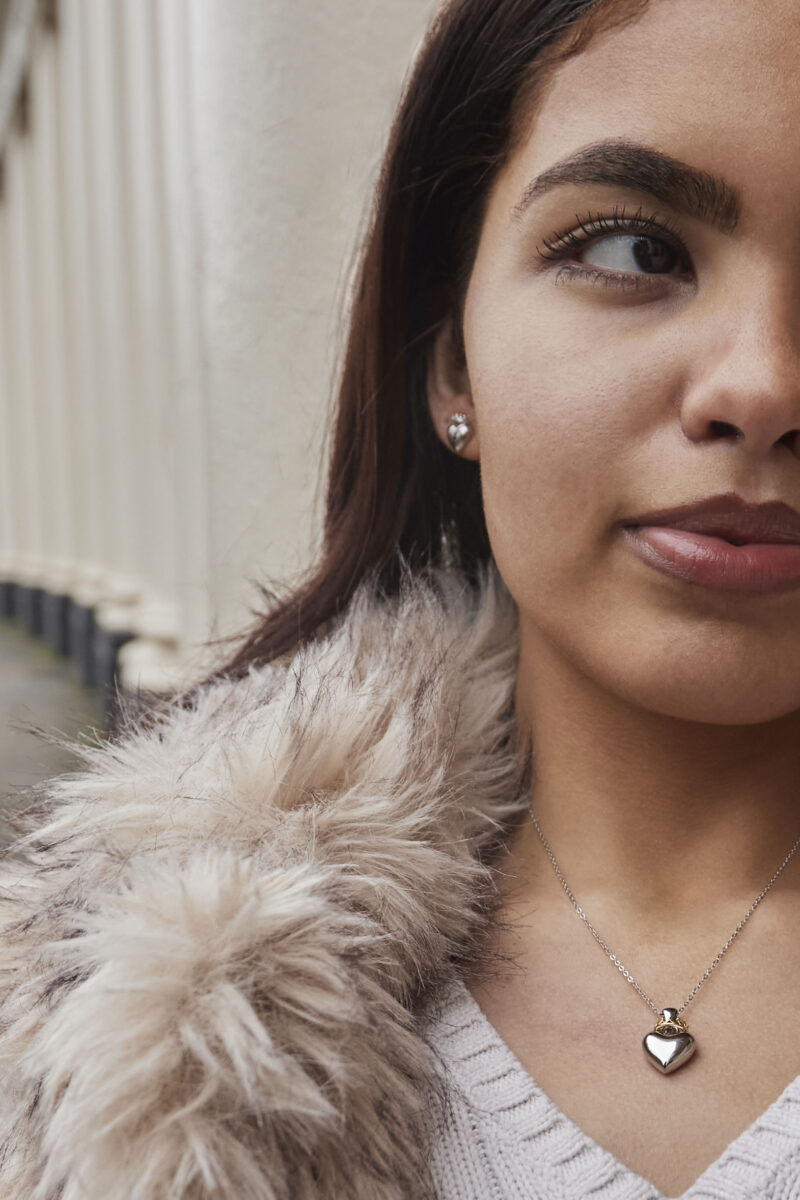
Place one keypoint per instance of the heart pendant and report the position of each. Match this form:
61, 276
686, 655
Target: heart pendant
669, 1045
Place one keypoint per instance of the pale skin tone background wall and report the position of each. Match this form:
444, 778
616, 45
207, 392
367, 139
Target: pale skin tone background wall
665, 715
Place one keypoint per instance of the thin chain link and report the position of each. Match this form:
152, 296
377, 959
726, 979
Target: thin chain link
613, 956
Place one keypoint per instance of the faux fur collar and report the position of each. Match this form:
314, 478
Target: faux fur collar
216, 938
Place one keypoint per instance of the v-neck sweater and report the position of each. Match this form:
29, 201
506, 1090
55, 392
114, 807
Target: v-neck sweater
503, 1138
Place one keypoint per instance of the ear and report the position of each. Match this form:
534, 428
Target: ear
449, 388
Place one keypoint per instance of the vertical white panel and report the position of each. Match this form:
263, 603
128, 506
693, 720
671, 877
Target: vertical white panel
292, 102
24, 331
57, 458
115, 366
186, 363
10, 481
151, 331
84, 393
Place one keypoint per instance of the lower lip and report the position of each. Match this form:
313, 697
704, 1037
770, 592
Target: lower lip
712, 562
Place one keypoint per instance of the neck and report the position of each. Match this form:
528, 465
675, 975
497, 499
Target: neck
647, 812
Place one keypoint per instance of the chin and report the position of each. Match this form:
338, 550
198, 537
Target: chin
704, 671
716, 700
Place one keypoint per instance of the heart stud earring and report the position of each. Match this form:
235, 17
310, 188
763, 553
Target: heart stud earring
459, 431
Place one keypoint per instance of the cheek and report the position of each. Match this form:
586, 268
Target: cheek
570, 396
558, 434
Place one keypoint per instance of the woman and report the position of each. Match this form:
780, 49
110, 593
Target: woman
311, 931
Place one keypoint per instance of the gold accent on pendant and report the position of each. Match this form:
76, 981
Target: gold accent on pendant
667, 1023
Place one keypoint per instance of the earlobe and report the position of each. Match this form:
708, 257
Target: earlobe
449, 394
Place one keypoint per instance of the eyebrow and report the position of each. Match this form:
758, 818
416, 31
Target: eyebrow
643, 169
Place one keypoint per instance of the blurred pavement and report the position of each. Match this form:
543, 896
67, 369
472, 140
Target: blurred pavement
39, 687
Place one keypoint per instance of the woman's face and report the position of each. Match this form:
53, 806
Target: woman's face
630, 376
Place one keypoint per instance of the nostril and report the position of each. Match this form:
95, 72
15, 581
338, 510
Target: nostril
725, 429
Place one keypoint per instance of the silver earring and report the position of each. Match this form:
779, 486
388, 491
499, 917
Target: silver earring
459, 431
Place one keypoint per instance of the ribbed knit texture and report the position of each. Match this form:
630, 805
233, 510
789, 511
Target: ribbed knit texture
503, 1138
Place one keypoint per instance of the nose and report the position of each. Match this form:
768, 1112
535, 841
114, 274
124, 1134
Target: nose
749, 390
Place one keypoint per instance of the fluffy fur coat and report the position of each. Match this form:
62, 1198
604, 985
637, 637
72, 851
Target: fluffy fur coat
219, 936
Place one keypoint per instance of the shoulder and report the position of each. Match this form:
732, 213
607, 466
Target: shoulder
213, 934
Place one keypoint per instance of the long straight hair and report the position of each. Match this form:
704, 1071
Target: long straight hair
397, 499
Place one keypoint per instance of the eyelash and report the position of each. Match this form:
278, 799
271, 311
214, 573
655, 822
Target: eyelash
590, 228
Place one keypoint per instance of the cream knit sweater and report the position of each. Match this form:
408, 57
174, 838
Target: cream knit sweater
504, 1139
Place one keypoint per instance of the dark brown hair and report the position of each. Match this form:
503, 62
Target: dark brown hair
397, 499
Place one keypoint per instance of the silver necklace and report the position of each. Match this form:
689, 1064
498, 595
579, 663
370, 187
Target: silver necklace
669, 1044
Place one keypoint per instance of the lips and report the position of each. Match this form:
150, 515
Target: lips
722, 542
731, 518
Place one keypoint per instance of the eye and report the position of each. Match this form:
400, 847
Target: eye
621, 251
631, 253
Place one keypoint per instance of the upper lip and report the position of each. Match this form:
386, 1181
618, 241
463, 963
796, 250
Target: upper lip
729, 516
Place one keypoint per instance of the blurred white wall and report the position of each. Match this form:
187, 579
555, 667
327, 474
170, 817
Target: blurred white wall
176, 228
